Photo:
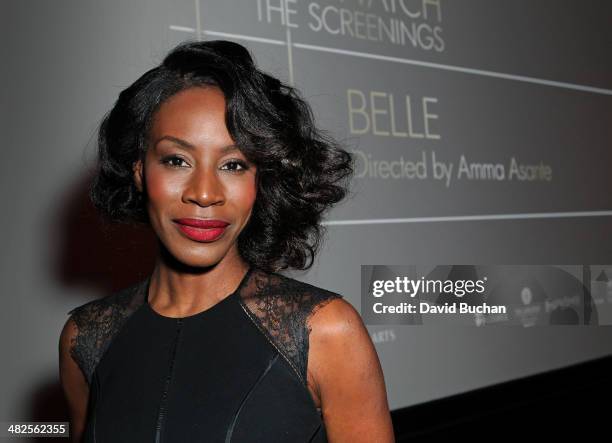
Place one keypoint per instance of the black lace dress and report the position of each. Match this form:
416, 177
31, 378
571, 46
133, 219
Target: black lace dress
235, 372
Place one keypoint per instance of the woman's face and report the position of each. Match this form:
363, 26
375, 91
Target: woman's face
193, 171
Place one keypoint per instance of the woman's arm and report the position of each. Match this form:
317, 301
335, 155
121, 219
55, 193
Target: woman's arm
74, 384
347, 373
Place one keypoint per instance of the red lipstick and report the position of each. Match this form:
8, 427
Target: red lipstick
202, 230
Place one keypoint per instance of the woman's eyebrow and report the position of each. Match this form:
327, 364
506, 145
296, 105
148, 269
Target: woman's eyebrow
188, 145
176, 140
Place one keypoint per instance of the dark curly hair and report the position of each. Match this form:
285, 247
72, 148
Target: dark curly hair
301, 170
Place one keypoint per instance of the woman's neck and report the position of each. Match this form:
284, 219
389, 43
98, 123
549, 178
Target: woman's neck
179, 292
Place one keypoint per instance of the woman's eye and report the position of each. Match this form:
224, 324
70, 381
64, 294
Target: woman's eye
235, 165
178, 162
173, 161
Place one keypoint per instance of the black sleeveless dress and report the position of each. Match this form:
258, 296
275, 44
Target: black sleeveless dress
235, 372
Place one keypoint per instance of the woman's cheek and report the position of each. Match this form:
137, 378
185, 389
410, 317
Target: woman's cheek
251, 194
248, 193
161, 186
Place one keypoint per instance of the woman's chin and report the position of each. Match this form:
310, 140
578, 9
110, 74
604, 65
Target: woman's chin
192, 257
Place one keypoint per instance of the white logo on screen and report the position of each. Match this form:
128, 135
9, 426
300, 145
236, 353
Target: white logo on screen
526, 296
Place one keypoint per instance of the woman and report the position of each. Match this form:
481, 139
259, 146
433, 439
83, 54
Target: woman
225, 164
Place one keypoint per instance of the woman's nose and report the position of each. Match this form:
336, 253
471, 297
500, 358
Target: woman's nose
204, 188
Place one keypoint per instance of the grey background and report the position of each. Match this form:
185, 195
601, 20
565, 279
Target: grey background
66, 61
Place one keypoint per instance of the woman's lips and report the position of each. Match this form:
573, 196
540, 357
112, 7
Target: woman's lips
201, 230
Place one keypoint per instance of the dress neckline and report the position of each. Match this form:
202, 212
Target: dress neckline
203, 313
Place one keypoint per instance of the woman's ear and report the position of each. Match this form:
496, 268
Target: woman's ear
138, 178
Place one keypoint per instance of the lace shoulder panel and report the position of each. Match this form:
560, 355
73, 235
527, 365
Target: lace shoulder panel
281, 308
98, 321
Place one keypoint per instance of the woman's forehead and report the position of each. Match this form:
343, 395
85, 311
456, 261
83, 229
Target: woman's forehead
195, 116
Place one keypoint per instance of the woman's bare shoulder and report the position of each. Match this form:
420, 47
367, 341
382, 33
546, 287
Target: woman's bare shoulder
336, 318
347, 375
